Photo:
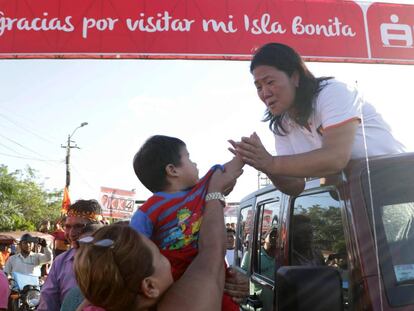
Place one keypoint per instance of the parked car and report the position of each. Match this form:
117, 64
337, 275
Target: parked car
345, 243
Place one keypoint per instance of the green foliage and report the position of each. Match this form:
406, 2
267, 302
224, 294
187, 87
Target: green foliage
23, 201
328, 232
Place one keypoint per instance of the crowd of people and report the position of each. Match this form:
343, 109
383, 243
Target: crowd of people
176, 251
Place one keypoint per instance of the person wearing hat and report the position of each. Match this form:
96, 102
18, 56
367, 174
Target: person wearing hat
28, 262
61, 278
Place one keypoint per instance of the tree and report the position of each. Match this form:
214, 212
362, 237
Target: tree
23, 201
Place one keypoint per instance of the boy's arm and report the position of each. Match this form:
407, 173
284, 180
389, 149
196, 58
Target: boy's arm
141, 223
201, 286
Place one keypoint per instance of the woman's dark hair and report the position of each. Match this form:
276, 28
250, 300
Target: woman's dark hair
286, 59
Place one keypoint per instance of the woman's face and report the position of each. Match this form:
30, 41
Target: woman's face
275, 88
162, 267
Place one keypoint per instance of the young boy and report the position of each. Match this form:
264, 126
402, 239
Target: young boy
172, 216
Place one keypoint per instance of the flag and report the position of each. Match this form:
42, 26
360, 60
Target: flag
65, 201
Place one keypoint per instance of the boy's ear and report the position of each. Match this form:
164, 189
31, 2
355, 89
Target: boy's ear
171, 170
149, 288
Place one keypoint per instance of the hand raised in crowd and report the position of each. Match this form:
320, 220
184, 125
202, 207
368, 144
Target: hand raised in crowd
42, 242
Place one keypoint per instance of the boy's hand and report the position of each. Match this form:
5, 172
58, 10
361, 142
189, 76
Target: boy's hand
221, 181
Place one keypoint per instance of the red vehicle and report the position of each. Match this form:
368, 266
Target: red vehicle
345, 243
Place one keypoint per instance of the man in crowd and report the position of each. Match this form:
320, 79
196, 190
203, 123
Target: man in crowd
61, 276
28, 262
231, 239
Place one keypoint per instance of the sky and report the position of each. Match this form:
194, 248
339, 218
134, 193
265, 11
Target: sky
204, 103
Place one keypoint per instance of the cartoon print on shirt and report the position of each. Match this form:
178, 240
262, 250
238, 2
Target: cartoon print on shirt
186, 231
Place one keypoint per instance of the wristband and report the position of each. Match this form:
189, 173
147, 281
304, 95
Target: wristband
216, 196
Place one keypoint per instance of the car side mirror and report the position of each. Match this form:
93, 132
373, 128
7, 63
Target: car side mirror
300, 288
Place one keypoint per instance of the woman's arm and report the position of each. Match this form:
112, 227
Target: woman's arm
332, 157
201, 286
287, 172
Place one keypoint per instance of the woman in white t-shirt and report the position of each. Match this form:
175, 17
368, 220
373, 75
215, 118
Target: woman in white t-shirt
319, 123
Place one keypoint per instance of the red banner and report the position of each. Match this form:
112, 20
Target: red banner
320, 30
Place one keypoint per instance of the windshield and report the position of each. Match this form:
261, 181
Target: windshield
397, 220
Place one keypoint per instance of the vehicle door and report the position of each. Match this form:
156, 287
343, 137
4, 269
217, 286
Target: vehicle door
259, 261
316, 233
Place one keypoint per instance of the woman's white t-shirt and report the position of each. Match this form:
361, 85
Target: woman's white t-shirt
336, 104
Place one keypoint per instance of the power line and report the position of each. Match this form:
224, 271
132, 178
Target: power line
11, 149
27, 158
84, 180
17, 143
27, 130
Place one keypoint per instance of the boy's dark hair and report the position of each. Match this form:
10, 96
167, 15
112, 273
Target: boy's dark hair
286, 59
153, 157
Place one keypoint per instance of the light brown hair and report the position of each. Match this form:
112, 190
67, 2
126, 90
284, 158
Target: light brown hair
111, 277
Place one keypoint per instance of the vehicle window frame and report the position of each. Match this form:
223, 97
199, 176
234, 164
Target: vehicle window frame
256, 245
397, 294
342, 209
240, 241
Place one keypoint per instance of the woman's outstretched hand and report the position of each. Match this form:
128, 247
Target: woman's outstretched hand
252, 152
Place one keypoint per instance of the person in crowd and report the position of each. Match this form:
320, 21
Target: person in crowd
28, 262
4, 291
60, 244
230, 245
319, 124
4, 255
304, 252
74, 298
267, 254
121, 269
172, 216
267, 267
44, 226
13, 248
61, 276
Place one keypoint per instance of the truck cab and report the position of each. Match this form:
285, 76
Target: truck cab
345, 243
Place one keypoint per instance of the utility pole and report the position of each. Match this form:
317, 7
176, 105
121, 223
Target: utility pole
68, 147
262, 180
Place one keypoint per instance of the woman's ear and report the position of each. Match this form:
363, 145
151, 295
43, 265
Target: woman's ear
171, 170
295, 78
149, 288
